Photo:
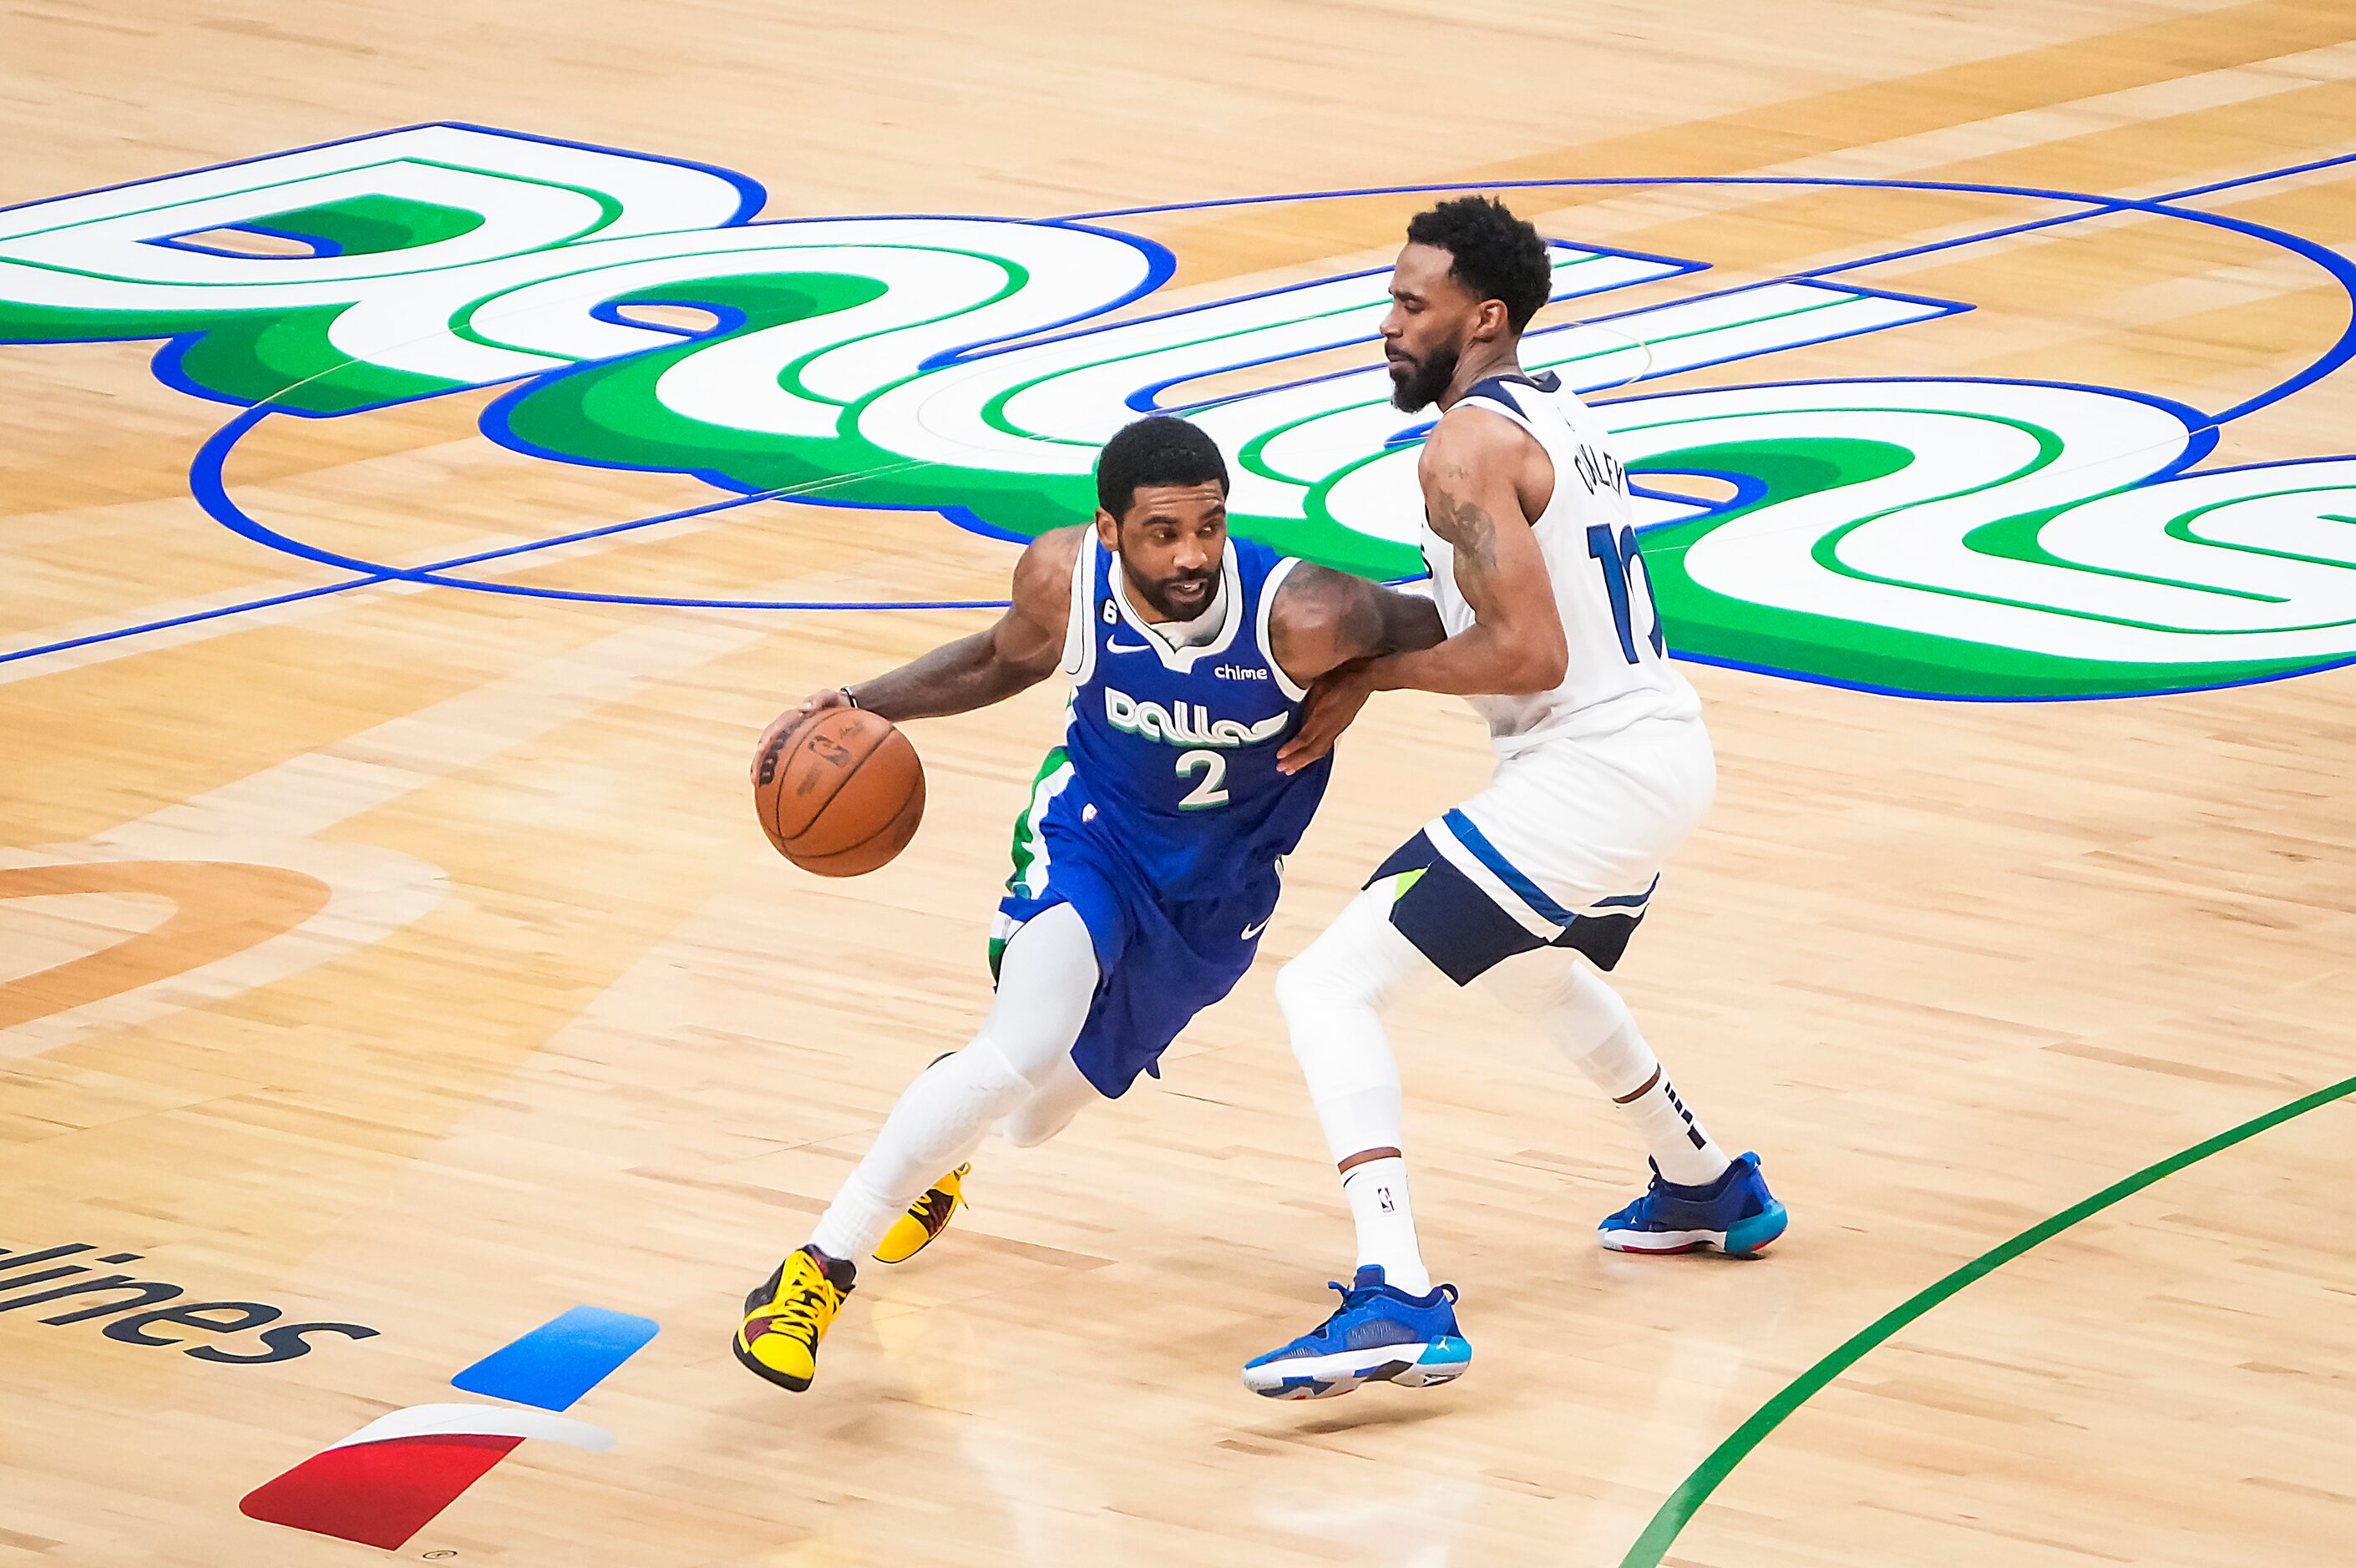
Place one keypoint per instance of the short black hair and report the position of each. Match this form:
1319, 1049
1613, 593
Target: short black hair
1497, 255
1159, 449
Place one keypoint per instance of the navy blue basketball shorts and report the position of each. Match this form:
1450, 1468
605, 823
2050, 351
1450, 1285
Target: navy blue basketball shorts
1563, 849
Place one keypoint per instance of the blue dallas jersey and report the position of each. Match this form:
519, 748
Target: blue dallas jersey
1161, 817
1176, 747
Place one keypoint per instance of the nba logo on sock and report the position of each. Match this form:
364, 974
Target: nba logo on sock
1382, 1196
391, 1479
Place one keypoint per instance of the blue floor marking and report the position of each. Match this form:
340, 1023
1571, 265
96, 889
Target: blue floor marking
562, 1360
190, 620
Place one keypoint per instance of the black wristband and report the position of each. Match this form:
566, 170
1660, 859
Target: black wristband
848, 695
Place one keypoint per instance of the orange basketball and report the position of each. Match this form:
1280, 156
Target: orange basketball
839, 792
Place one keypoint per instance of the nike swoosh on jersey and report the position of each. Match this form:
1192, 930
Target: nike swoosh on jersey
1114, 647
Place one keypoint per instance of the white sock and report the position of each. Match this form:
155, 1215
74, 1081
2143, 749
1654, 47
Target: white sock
1678, 1145
1333, 996
1377, 1191
1046, 980
1590, 1023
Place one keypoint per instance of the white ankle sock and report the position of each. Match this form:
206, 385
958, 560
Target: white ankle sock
1678, 1145
1377, 1191
1587, 1020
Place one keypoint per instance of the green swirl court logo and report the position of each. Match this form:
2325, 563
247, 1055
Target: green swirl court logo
1931, 537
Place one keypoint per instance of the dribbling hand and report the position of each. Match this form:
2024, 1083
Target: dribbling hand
815, 703
820, 701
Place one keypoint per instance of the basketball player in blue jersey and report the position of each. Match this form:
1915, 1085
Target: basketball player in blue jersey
1536, 883
1146, 861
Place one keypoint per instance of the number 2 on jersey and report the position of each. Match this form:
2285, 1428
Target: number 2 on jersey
1615, 554
1207, 793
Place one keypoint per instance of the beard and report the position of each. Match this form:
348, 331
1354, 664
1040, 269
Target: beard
1164, 593
1418, 383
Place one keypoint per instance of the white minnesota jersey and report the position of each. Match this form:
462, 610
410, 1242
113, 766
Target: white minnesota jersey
1618, 674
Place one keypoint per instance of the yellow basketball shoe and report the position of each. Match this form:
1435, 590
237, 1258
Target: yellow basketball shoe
789, 1315
927, 1217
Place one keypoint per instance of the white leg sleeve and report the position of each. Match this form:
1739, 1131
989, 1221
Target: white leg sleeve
1046, 979
1333, 996
1051, 1107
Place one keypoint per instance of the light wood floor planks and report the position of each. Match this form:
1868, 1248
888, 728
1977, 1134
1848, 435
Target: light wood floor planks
405, 957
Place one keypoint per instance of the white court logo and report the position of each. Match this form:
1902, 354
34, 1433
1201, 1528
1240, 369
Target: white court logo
1929, 536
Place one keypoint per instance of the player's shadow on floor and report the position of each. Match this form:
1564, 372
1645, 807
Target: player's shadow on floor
1357, 1417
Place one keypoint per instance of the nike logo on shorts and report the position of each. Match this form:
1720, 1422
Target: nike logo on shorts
1252, 931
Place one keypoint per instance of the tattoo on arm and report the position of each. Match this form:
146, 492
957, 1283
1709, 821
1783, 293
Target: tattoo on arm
1474, 501
1467, 526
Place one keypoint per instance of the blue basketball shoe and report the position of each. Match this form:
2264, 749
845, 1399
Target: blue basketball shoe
1379, 1333
1736, 1214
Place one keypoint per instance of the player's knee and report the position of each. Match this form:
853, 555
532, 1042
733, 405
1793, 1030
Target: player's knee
991, 1069
1586, 1008
1345, 967
1533, 984
1306, 983
1030, 1127
1030, 1061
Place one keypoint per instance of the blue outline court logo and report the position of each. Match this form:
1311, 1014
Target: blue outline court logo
1928, 536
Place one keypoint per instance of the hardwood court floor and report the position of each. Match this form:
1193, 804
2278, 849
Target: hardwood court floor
405, 955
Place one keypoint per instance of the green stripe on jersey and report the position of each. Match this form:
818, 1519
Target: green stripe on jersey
1030, 851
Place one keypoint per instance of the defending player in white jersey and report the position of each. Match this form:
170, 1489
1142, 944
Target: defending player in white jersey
1604, 768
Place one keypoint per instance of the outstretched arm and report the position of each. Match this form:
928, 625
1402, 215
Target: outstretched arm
1328, 628
1471, 473
991, 666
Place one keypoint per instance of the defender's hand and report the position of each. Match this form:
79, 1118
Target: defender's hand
1333, 701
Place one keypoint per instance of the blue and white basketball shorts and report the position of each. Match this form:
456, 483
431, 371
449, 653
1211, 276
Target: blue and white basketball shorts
1162, 959
1563, 849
